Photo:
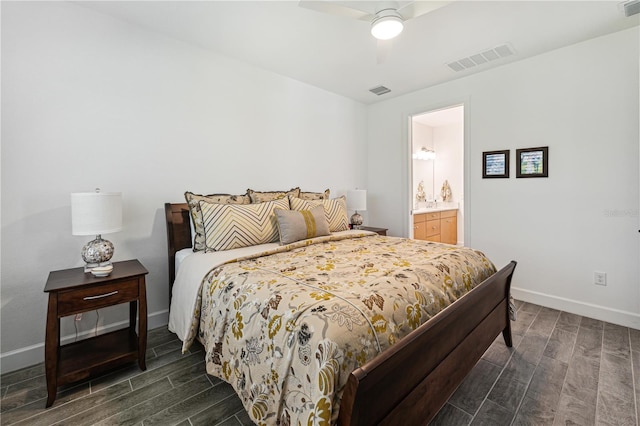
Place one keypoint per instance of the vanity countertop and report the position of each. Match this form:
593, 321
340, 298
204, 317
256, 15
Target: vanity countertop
440, 207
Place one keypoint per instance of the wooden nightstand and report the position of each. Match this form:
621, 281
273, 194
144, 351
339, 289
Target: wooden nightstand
380, 231
72, 291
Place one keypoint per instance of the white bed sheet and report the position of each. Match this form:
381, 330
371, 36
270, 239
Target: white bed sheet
181, 255
191, 269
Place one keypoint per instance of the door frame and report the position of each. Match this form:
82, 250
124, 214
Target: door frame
408, 197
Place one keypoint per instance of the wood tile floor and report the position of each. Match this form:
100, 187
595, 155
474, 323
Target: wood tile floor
563, 369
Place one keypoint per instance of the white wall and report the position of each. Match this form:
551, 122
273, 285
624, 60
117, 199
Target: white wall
582, 102
422, 136
89, 101
449, 166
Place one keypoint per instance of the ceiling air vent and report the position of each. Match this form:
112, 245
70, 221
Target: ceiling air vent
483, 57
631, 8
380, 90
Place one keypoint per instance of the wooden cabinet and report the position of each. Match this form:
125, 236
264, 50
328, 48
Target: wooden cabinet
420, 226
72, 291
436, 226
449, 226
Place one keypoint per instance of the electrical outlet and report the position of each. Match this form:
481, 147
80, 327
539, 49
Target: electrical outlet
78, 317
600, 278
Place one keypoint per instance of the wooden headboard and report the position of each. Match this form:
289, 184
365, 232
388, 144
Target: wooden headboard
178, 235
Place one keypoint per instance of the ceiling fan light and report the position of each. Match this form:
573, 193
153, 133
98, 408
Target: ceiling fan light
386, 25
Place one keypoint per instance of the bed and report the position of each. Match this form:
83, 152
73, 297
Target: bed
408, 382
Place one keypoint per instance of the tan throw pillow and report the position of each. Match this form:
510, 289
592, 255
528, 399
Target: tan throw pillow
261, 197
229, 226
335, 210
301, 225
314, 195
193, 201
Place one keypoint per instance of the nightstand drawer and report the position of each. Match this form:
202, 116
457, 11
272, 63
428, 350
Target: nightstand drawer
89, 298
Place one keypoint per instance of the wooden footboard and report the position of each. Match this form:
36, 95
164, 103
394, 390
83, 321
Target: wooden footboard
410, 382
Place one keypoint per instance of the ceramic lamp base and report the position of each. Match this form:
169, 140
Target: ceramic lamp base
356, 221
96, 253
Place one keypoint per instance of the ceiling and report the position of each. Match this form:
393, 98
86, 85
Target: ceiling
339, 54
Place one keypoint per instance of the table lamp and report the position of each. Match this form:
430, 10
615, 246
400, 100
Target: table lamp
96, 213
356, 200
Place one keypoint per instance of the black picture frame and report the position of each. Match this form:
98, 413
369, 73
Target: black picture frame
495, 164
532, 162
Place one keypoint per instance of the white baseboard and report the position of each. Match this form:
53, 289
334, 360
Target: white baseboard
34, 354
602, 313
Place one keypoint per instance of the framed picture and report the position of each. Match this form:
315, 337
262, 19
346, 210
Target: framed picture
495, 164
532, 162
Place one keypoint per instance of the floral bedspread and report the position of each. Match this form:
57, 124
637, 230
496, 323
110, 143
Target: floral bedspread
285, 329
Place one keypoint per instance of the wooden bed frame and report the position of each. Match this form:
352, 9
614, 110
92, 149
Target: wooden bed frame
411, 381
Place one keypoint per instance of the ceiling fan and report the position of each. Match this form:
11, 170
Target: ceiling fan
387, 17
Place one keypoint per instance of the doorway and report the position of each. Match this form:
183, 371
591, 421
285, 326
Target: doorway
437, 169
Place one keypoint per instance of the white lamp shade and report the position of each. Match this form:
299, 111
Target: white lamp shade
357, 199
96, 213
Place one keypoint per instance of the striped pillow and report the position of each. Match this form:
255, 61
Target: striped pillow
300, 225
229, 226
335, 210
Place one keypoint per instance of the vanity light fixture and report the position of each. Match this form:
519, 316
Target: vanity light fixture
425, 154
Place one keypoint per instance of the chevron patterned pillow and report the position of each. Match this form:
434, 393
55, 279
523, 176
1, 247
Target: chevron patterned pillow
335, 210
229, 226
193, 201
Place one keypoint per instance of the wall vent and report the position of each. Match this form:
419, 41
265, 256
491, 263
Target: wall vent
483, 57
380, 90
631, 8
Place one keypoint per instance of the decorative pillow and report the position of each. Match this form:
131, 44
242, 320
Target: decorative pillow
229, 226
193, 201
335, 210
314, 195
261, 197
301, 225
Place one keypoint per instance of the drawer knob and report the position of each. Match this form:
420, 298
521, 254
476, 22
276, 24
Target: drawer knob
100, 296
